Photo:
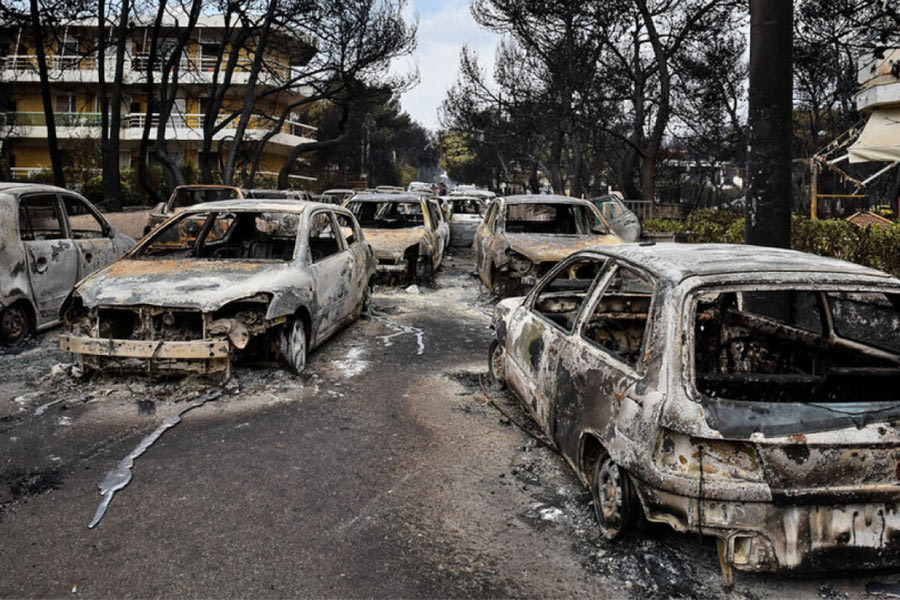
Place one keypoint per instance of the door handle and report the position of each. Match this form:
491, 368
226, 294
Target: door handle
41, 264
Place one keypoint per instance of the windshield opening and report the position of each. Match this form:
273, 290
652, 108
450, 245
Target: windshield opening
225, 236
468, 207
554, 219
388, 215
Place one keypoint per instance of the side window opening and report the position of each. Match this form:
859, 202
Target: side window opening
39, 218
83, 223
618, 323
348, 228
560, 299
323, 239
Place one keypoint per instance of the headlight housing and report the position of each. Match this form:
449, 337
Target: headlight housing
519, 264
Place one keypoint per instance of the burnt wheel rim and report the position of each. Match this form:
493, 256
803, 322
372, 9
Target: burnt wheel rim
497, 363
610, 497
13, 324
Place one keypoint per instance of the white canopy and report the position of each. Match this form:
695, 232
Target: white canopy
880, 139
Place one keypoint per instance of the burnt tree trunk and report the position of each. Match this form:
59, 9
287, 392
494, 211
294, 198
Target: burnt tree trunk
37, 30
768, 221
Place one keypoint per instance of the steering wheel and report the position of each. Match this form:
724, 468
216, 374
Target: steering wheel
610, 328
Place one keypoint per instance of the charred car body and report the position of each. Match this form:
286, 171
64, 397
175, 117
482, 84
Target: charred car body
747, 393
408, 232
522, 237
619, 217
221, 278
49, 239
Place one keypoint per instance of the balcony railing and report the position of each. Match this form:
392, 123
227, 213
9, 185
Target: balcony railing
137, 120
28, 62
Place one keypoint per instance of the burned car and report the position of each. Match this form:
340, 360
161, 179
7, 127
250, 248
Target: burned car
184, 196
621, 220
407, 231
465, 217
522, 237
270, 277
746, 393
49, 239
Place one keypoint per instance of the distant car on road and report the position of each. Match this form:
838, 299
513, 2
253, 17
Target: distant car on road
49, 239
339, 195
751, 394
465, 217
622, 221
184, 196
408, 232
522, 237
223, 278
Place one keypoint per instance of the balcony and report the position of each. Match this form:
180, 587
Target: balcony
879, 86
192, 70
179, 128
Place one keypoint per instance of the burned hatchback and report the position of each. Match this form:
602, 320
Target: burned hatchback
225, 278
750, 394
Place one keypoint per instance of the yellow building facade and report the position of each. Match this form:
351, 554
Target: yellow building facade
74, 73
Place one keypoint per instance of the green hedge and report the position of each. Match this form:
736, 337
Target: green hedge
873, 246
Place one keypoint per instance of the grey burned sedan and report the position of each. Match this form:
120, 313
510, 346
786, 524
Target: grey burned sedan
49, 239
746, 393
220, 279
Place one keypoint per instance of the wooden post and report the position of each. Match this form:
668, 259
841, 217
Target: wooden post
814, 189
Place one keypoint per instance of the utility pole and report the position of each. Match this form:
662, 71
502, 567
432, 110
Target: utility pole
770, 115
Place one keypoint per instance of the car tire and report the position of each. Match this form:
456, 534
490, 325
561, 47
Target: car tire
615, 502
366, 306
14, 324
424, 271
496, 370
292, 345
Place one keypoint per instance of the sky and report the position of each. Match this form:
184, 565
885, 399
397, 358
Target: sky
445, 26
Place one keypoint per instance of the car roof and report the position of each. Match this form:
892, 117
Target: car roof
378, 197
677, 262
543, 199
262, 205
31, 187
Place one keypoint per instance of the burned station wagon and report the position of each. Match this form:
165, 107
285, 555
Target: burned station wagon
408, 232
522, 237
49, 239
270, 277
746, 393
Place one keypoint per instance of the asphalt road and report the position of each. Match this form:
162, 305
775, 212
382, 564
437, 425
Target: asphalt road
382, 471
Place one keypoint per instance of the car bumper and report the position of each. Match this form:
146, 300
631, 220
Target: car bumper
399, 266
764, 536
203, 356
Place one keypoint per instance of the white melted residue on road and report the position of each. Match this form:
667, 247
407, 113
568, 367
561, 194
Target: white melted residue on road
401, 330
353, 364
119, 477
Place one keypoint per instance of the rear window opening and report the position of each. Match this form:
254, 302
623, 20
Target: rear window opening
781, 347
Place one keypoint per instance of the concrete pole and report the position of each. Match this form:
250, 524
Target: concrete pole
768, 209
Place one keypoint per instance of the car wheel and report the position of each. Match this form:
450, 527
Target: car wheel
367, 300
614, 500
292, 345
424, 271
496, 370
14, 324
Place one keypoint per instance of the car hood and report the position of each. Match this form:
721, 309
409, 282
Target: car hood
200, 284
540, 248
391, 243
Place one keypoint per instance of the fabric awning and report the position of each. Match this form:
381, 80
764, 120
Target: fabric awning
880, 139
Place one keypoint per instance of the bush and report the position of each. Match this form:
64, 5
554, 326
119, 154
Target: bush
92, 189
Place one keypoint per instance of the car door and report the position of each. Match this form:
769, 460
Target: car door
602, 364
539, 332
482, 236
358, 255
90, 233
52, 258
330, 266
440, 231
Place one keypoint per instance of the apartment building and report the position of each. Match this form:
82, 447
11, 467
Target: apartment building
74, 73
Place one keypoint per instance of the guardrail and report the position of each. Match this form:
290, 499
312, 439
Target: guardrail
642, 208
